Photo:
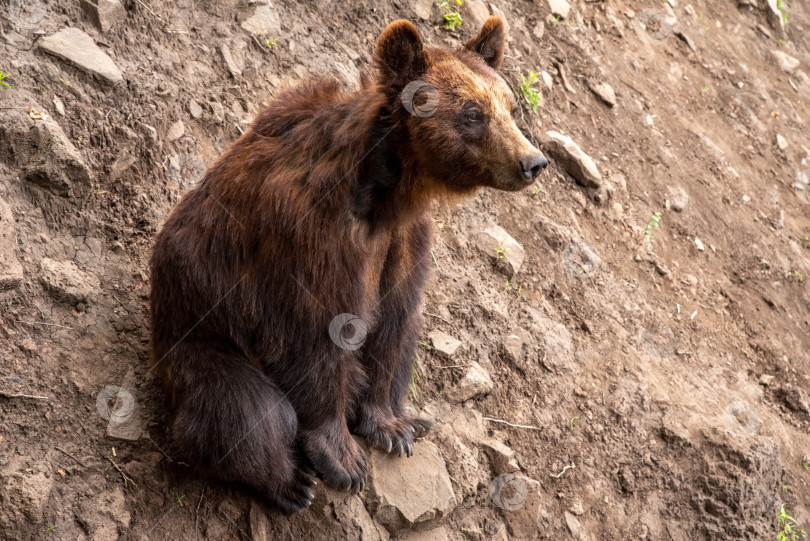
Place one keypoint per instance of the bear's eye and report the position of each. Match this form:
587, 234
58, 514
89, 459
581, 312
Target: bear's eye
472, 115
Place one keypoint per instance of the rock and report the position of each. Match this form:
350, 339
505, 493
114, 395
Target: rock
104, 13
263, 23
195, 109
76, 47
259, 523
476, 12
578, 164
539, 30
784, 61
11, 271
65, 282
781, 142
444, 343
775, 17
41, 150
520, 500
126, 423
356, 522
678, 198
501, 457
605, 93
558, 347
439, 534
794, 398
233, 66
462, 457
560, 8
31, 491
547, 80
476, 381
149, 132
413, 492
580, 259
103, 515
506, 251
684, 37
513, 349
699, 244
59, 106
176, 131
574, 526
422, 8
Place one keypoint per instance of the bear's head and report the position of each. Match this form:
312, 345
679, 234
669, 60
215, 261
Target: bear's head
458, 111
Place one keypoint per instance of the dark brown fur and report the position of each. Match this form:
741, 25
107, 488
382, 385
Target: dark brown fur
320, 209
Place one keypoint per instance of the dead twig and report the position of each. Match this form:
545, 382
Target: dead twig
6, 394
197, 513
125, 476
512, 425
149, 10
565, 469
82, 464
42, 323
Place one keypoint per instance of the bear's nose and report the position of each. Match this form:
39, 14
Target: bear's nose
533, 165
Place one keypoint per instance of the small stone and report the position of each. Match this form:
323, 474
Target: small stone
605, 93
195, 109
679, 198
686, 39
404, 493
263, 23
574, 526
577, 508
149, 132
475, 382
422, 8
547, 80
501, 457
795, 398
444, 343
11, 271
352, 514
76, 47
699, 244
539, 30
65, 282
560, 8
476, 12
578, 164
176, 131
513, 349
766, 379
506, 251
784, 61
59, 106
230, 61
104, 13
781, 142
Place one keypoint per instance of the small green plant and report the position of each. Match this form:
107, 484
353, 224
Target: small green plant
705, 89
272, 43
652, 225
806, 465
796, 274
528, 91
50, 528
789, 528
780, 41
780, 5
2, 82
180, 499
500, 251
538, 189
571, 422
508, 285
451, 16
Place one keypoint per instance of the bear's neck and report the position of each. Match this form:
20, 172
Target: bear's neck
389, 191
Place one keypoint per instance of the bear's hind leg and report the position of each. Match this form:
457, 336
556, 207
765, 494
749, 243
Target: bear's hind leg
235, 423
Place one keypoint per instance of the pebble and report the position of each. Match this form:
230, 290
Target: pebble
699, 244
444, 343
784, 61
781, 142
605, 93
578, 164
78, 48
176, 131
560, 8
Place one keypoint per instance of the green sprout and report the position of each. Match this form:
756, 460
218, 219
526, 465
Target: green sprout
538, 189
780, 5
272, 43
571, 422
2, 82
528, 91
649, 231
789, 528
451, 17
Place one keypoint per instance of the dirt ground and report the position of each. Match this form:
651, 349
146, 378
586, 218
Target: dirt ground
660, 380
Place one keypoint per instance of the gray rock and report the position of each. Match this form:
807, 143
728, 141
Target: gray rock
413, 492
539, 30
561, 8
230, 61
784, 61
474, 382
605, 93
506, 251
149, 132
476, 12
445, 344
59, 106
775, 18
195, 109
176, 131
41, 150
501, 457
263, 23
65, 282
678, 198
422, 8
11, 271
513, 349
574, 526
104, 13
794, 398
557, 344
76, 47
578, 164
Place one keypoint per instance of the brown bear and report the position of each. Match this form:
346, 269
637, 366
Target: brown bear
286, 286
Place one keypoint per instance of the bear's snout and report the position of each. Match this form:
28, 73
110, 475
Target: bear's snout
532, 165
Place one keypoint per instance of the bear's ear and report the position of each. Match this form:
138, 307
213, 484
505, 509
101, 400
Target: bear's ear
490, 42
400, 56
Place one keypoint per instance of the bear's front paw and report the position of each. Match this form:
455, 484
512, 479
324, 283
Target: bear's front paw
336, 456
390, 434
297, 494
